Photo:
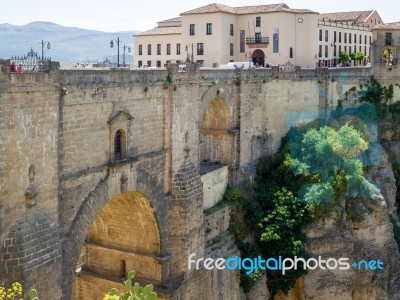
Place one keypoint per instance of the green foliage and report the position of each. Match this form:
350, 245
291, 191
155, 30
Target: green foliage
326, 151
344, 56
33, 295
359, 56
374, 92
232, 195
135, 292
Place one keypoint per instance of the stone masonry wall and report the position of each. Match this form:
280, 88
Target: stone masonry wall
57, 141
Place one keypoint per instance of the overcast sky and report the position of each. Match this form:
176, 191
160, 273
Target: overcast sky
121, 15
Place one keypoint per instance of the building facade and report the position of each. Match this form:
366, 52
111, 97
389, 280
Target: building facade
275, 34
345, 31
386, 46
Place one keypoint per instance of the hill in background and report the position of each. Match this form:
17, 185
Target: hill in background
69, 45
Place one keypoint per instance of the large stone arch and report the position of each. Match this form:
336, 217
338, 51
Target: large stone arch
147, 200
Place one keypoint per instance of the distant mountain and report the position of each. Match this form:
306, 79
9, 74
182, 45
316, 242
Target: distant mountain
69, 45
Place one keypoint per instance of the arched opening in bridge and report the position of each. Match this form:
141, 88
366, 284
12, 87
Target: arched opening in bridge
258, 58
123, 237
215, 136
388, 56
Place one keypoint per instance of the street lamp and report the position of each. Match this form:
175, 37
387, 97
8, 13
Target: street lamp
43, 44
112, 46
129, 50
187, 53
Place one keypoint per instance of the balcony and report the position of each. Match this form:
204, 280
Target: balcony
257, 40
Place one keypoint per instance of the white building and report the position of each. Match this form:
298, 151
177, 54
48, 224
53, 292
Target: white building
345, 31
216, 34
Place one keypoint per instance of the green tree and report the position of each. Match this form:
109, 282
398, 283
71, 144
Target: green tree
326, 151
357, 56
281, 236
344, 57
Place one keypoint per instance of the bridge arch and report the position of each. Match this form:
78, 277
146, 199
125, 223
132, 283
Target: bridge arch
124, 236
112, 234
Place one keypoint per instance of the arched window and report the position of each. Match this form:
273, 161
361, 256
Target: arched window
118, 145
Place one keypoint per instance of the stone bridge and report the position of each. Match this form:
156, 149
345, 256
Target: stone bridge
105, 171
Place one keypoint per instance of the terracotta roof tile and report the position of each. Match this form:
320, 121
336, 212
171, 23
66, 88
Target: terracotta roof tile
177, 19
356, 17
215, 7
162, 30
388, 26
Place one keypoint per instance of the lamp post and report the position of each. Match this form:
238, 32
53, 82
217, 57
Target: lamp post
43, 43
187, 53
129, 50
112, 46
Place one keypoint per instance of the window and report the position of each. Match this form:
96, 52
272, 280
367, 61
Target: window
258, 37
334, 51
168, 49
340, 49
345, 48
370, 40
388, 38
149, 63
200, 48
320, 35
231, 49
326, 50
118, 145
140, 49
350, 50
148, 49
191, 29
349, 38
365, 39
158, 63
340, 37
326, 35
258, 21
178, 49
334, 36
209, 29
365, 50
355, 38
360, 39
231, 29
320, 51
158, 49
345, 37
291, 52
200, 62
140, 63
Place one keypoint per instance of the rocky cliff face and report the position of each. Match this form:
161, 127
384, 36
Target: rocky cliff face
358, 229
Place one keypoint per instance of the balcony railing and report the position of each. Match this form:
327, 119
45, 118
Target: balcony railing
257, 40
